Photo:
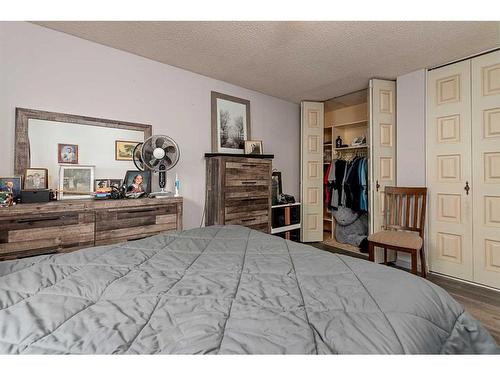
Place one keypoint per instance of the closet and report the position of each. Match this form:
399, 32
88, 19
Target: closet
366, 123
463, 169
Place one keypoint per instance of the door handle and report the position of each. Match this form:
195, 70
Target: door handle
467, 187
377, 185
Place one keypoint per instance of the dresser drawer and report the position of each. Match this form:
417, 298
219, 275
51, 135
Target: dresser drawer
248, 167
122, 224
243, 192
248, 218
245, 204
247, 172
44, 233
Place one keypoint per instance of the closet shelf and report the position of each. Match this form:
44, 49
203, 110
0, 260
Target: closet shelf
328, 144
350, 148
354, 123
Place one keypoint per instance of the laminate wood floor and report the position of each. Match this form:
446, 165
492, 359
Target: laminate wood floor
482, 303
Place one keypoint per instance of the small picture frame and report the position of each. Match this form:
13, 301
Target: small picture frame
137, 181
76, 181
101, 183
276, 187
36, 179
124, 150
115, 182
253, 148
11, 185
67, 154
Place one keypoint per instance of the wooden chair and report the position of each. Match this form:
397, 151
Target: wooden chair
404, 220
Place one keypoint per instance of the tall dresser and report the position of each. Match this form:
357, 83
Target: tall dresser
239, 190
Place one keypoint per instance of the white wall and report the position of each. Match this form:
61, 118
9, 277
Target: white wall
410, 135
47, 70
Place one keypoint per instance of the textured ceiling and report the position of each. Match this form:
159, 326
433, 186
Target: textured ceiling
294, 60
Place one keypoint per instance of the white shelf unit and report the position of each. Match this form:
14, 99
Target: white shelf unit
287, 226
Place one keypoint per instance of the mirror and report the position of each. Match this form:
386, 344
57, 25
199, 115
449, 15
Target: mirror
51, 140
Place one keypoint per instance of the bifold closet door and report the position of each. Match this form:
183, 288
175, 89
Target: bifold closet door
311, 175
382, 146
449, 240
485, 187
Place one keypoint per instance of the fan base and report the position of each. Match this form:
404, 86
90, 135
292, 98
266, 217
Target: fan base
161, 194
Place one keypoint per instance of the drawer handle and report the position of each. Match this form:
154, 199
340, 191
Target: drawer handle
248, 182
135, 239
252, 219
141, 210
250, 165
21, 221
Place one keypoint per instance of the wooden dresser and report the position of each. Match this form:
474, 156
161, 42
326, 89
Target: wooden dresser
239, 190
62, 226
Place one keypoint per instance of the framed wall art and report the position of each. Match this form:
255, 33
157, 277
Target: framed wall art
67, 154
230, 123
124, 150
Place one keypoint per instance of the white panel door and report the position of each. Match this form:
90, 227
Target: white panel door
382, 149
449, 240
485, 187
311, 175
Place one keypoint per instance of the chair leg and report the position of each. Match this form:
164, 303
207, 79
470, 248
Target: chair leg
385, 256
371, 251
414, 262
422, 263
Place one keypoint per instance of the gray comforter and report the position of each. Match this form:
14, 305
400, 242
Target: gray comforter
225, 290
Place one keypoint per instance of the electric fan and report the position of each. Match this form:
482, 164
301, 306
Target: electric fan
159, 153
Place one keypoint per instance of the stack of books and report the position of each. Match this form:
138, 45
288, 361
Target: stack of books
102, 193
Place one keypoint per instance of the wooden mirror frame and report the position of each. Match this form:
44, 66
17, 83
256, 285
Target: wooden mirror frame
23, 115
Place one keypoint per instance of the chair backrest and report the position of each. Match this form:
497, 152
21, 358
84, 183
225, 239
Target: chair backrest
404, 208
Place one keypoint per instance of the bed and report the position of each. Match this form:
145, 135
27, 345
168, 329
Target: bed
224, 290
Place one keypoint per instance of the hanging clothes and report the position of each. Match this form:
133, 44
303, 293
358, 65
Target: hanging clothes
349, 186
363, 178
326, 191
352, 186
349, 200
339, 170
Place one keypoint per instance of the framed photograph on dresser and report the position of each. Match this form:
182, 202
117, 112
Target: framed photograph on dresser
253, 148
11, 185
76, 181
138, 181
36, 179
